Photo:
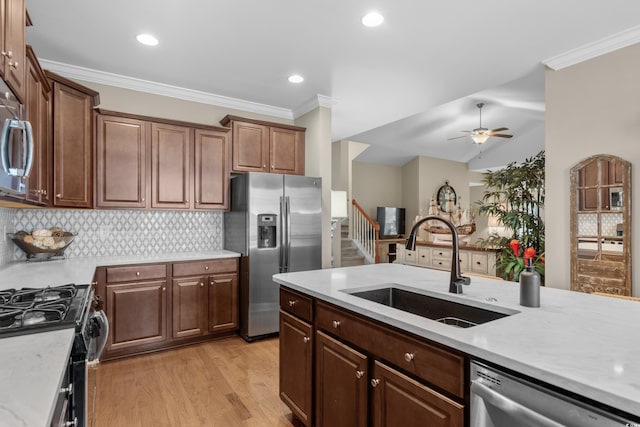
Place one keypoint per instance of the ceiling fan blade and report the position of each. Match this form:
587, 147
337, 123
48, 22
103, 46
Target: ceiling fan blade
458, 137
501, 135
498, 130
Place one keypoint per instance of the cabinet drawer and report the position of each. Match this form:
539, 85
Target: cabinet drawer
196, 268
441, 253
464, 261
136, 272
440, 367
441, 263
409, 257
479, 263
296, 304
424, 256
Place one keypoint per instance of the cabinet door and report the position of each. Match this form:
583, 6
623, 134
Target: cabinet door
479, 262
295, 366
13, 45
137, 314
32, 105
223, 302
121, 178
401, 401
189, 307
211, 170
171, 166
250, 147
341, 384
424, 256
286, 151
72, 156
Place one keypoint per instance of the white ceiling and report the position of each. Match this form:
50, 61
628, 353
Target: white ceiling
404, 87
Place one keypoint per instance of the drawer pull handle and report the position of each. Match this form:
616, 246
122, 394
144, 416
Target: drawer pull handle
336, 324
359, 374
408, 357
478, 262
137, 273
292, 302
306, 340
375, 382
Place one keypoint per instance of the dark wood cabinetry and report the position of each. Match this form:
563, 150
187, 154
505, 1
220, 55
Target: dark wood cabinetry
296, 353
72, 143
37, 104
169, 164
598, 178
259, 146
13, 18
157, 306
366, 373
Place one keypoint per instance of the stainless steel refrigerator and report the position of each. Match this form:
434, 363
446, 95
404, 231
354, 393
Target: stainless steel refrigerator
275, 223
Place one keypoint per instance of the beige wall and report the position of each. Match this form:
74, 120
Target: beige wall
591, 108
377, 185
410, 191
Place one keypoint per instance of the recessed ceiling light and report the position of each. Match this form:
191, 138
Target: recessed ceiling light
147, 39
296, 78
372, 19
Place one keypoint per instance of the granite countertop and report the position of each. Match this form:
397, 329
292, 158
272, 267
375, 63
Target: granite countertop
32, 366
579, 342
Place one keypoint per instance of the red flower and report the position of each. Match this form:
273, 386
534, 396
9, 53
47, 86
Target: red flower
529, 253
515, 247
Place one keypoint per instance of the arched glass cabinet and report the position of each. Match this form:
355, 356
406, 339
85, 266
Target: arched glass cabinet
601, 225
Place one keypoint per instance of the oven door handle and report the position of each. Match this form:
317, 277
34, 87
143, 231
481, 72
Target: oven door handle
99, 341
513, 408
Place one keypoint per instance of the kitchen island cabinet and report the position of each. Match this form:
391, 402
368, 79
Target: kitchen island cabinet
557, 344
259, 146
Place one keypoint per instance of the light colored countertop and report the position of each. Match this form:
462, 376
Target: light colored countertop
583, 343
32, 366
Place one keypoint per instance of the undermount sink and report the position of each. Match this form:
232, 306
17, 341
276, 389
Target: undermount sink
438, 309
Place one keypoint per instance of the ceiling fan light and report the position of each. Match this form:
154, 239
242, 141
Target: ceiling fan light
480, 138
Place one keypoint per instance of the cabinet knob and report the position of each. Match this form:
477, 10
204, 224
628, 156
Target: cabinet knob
137, 273
292, 302
359, 374
336, 324
201, 285
13, 64
142, 199
59, 196
164, 288
408, 357
8, 54
206, 267
306, 340
375, 382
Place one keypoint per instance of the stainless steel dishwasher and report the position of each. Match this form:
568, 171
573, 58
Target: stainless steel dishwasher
499, 399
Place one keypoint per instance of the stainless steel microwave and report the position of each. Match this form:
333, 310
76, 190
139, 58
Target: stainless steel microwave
16, 145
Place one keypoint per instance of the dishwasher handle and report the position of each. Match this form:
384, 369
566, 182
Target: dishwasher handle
508, 406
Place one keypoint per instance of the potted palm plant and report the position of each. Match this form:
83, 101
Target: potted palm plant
515, 197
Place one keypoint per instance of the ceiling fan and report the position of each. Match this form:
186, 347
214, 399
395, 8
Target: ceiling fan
480, 135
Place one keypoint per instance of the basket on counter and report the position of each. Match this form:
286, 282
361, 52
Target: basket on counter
42, 247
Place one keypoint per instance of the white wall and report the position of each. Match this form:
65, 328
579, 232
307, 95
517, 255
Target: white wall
591, 108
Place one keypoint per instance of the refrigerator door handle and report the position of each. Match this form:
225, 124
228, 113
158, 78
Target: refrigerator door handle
281, 254
287, 233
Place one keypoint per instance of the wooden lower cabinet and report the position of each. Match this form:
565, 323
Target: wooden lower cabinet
296, 353
402, 401
365, 373
341, 384
137, 314
162, 305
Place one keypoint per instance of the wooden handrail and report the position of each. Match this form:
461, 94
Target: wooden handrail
365, 232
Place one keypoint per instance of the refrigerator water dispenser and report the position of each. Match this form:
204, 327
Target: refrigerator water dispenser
267, 230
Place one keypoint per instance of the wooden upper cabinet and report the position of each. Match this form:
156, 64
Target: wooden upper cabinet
121, 160
259, 146
170, 166
72, 143
37, 105
211, 169
13, 65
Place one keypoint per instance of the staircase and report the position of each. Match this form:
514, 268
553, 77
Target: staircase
349, 254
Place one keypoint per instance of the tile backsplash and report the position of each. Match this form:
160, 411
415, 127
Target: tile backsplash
120, 232
6, 226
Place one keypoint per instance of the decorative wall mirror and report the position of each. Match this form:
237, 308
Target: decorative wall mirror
601, 225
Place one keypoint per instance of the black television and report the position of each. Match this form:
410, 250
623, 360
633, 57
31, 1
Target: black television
391, 222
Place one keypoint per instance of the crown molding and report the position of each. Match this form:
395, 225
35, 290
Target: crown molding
314, 102
110, 79
591, 50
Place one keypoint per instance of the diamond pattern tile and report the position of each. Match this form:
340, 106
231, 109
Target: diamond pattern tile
121, 232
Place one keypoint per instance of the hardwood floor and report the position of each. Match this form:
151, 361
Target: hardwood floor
222, 383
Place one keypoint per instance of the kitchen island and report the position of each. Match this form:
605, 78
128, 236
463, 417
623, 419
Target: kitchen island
33, 365
577, 342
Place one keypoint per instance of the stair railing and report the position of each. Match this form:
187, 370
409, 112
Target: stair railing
365, 233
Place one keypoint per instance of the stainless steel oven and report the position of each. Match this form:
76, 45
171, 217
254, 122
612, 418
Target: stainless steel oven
499, 399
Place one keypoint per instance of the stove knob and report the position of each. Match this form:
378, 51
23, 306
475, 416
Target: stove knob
68, 390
